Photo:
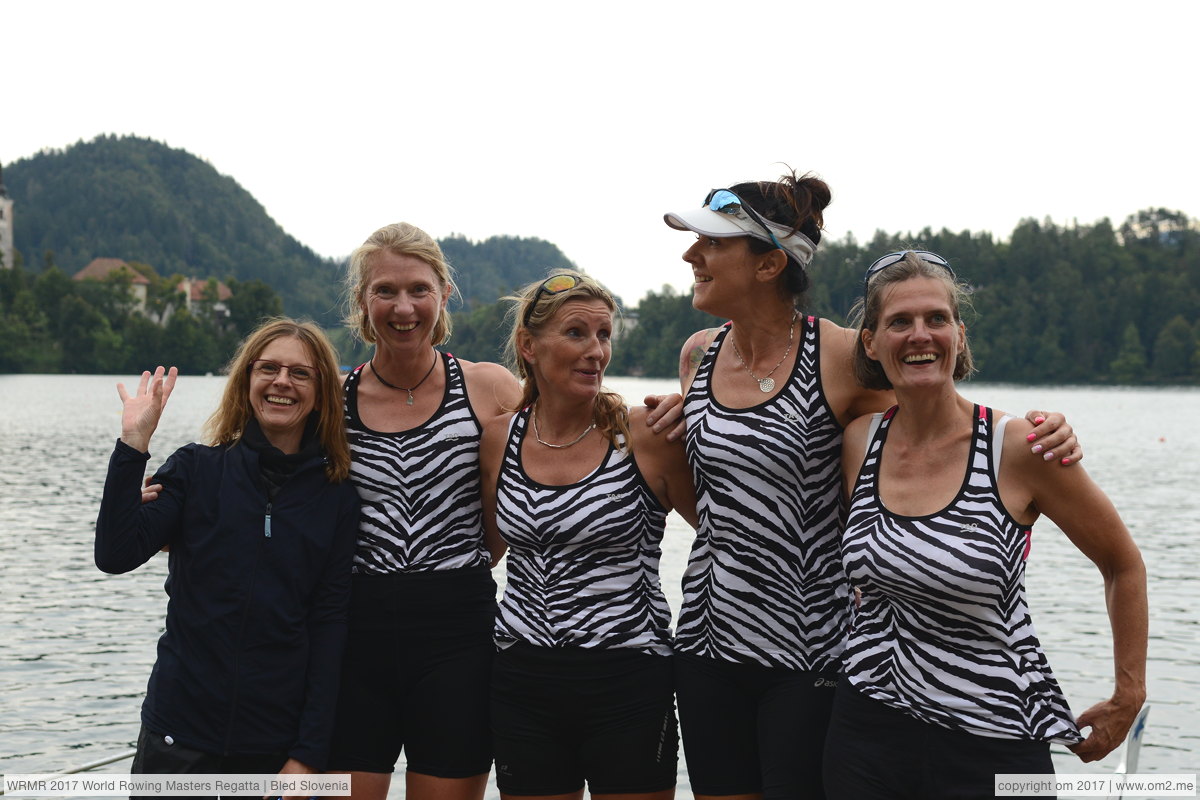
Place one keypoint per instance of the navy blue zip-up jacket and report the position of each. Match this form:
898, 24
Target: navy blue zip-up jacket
258, 596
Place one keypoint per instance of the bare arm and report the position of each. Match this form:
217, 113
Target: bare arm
491, 454
491, 389
663, 463
1085, 514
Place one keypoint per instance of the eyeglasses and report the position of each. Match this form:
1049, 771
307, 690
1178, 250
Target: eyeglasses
724, 201
555, 284
300, 373
884, 262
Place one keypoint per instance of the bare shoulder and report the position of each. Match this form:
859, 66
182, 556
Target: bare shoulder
692, 353
836, 337
491, 388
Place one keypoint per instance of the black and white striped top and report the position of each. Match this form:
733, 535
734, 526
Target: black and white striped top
764, 582
943, 631
421, 504
582, 558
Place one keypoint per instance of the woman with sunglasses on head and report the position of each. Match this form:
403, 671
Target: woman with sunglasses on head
260, 528
766, 398
945, 682
418, 661
578, 487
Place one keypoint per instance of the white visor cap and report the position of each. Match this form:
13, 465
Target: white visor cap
720, 224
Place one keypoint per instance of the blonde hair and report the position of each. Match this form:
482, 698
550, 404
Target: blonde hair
609, 411
228, 422
402, 239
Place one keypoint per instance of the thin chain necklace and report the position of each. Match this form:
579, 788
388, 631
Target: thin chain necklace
542, 441
767, 383
382, 380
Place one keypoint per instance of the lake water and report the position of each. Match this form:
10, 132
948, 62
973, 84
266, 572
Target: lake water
76, 646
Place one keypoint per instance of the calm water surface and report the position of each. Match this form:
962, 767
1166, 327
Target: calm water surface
76, 646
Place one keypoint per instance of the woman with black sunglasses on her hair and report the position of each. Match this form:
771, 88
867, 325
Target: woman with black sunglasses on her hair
260, 527
945, 682
578, 488
766, 398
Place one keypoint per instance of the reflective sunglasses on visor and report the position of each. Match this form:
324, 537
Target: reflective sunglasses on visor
555, 284
724, 201
884, 262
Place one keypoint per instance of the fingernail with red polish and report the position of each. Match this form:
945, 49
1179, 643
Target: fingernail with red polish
1066, 461
1030, 438
1038, 420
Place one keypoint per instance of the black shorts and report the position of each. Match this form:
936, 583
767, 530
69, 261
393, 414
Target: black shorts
875, 751
750, 729
561, 717
417, 674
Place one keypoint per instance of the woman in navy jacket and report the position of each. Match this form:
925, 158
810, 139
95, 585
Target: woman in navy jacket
260, 525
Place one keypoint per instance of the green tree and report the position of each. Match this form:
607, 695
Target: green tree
1130, 364
1173, 350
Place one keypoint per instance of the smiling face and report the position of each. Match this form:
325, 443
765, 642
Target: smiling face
917, 339
280, 402
570, 350
402, 300
723, 268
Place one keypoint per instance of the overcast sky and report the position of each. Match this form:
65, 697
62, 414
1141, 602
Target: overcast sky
583, 126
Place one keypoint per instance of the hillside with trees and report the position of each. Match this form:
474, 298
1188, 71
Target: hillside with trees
142, 201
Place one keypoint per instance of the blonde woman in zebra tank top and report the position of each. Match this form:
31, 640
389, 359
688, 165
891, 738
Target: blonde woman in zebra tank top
578, 487
766, 398
418, 662
945, 682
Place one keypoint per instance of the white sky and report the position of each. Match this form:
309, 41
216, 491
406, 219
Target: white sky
583, 124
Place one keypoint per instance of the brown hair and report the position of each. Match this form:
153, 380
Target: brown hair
228, 422
402, 239
609, 412
797, 202
867, 370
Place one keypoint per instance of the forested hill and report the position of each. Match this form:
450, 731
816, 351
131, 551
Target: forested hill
140, 200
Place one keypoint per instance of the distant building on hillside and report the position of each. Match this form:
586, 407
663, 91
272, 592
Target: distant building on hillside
193, 293
6, 225
101, 268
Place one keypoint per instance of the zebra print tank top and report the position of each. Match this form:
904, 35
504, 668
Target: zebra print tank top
582, 558
764, 582
421, 506
943, 631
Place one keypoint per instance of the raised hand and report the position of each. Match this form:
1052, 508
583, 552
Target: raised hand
144, 408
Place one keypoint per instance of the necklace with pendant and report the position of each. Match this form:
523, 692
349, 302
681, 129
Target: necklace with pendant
767, 383
540, 440
383, 380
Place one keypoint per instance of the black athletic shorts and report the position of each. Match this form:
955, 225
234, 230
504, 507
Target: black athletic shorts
875, 751
750, 729
417, 674
565, 716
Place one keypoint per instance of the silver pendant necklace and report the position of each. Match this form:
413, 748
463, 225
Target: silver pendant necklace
767, 383
540, 440
401, 388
